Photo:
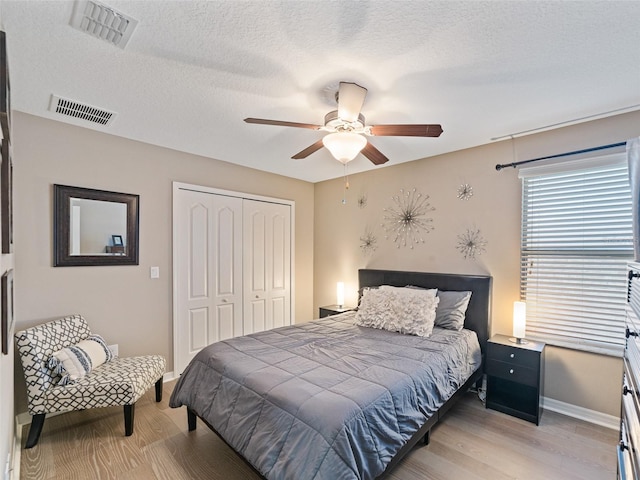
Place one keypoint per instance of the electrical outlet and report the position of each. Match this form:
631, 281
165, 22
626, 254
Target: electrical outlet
154, 272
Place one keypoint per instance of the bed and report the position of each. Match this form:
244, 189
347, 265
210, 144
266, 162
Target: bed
329, 399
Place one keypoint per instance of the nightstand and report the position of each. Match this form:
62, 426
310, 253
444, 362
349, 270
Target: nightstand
333, 310
515, 377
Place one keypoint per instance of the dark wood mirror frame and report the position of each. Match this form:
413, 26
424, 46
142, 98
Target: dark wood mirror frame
61, 227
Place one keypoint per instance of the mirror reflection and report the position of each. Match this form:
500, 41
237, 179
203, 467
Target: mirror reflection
97, 227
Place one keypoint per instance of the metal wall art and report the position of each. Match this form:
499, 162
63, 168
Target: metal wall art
471, 243
368, 242
406, 220
465, 191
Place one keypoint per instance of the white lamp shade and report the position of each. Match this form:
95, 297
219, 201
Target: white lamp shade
340, 293
344, 146
519, 319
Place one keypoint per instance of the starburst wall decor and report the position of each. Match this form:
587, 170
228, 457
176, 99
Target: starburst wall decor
465, 191
368, 242
471, 243
406, 221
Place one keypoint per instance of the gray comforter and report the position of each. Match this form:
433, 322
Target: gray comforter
325, 399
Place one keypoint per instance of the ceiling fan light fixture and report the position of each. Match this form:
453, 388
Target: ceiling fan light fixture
344, 146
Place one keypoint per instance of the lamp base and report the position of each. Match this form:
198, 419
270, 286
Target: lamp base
520, 341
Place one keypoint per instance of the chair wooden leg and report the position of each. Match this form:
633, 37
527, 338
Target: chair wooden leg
129, 411
37, 422
191, 420
159, 390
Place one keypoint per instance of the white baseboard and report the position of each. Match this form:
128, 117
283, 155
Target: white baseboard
17, 452
23, 419
581, 413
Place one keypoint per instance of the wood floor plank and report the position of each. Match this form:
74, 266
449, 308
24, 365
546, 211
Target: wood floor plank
551, 445
470, 443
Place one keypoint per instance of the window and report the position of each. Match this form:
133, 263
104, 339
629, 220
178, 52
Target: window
576, 240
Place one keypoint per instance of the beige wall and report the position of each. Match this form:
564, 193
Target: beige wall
587, 380
128, 308
121, 302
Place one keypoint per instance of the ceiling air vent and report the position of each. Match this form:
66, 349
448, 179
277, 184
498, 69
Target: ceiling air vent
82, 111
103, 22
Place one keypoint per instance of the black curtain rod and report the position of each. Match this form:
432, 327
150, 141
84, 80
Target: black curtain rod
586, 150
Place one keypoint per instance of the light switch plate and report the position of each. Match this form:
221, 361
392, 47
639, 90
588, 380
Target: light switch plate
154, 272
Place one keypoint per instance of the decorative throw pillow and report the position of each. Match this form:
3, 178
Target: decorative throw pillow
451, 309
362, 292
432, 292
74, 362
398, 309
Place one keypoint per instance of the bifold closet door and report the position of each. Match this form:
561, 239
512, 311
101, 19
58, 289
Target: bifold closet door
267, 265
209, 272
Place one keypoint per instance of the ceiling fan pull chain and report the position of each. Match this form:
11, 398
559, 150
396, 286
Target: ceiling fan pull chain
346, 185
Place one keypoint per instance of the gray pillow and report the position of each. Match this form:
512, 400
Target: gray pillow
451, 309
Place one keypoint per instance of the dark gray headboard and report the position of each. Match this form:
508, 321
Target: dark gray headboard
478, 316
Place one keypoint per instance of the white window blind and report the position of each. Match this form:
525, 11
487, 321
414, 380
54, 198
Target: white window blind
576, 240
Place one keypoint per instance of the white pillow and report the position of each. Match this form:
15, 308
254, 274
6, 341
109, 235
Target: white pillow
399, 309
432, 292
74, 362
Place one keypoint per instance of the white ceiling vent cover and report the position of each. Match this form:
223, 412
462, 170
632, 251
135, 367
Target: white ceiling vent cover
81, 111
103, 22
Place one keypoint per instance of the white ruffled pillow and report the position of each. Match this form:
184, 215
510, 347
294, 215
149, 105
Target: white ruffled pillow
431, 292
399, 309
74, 362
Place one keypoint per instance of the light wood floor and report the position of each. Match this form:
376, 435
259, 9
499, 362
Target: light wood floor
470, 443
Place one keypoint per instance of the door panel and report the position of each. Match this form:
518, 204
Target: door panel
279, 246
255, 319
278, 312
198, 326
232, 269
267, 261
225, 246
198, 238
226, 267
226, 321
255, 234
208, 272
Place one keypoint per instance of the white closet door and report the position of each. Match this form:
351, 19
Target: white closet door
267, 265
208, 273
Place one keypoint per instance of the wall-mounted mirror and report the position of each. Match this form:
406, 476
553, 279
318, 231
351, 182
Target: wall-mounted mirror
94, 227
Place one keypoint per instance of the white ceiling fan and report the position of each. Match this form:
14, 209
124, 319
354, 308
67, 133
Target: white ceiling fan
347, 130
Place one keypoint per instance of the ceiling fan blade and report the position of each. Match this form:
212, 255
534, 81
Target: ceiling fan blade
350, 100
263, 121
309, 150
373, 154
413, 130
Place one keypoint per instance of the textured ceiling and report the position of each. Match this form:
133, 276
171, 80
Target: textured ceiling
193, 70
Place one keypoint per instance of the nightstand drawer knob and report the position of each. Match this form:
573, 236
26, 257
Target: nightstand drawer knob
511, 371
512, 355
